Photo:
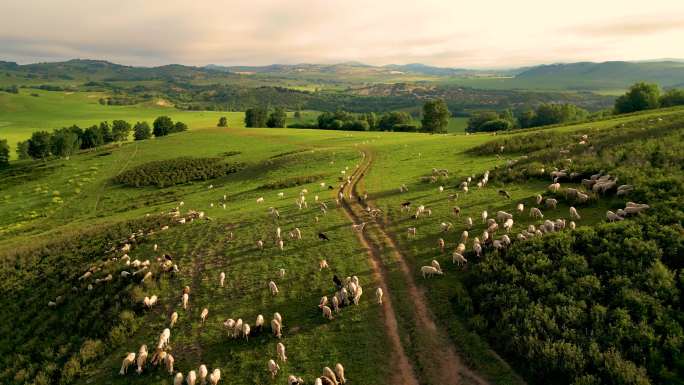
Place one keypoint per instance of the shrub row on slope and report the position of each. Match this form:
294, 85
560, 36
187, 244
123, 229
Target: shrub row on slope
176, 171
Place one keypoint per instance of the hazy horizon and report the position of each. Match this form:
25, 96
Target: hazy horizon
485, 34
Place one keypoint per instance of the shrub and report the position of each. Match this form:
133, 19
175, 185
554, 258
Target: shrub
176, 171
294, 181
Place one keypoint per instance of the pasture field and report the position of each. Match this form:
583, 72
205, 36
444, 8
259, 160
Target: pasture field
42, 204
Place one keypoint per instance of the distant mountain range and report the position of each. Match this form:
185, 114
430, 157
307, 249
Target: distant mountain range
570, 76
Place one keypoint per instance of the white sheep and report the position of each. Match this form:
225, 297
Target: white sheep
178, 379
612, 217
174, 318
222, 278
246, 330
339, 370
574, 214
192, 378
436, 265
327, 372
276, 327
260, 200
554, 187
378, 295
215, 376
478, 249
142, 358
127, 361
323, 264
273, 287
458, 258
551, 203
273, 368
429, 271
508, 225
484, 216
168, 362
204, 314
164, 338
186, 299
520, 208
469, 223
536, 213
411, 232
203, 374
357, 294
464, 236
441, 244
502, 216
280, 350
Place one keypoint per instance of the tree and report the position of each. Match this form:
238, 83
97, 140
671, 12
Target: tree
39, 145
106, 131
495, 125
4, 153
435, 116
555, 113
389, 120
223, 122
141, 131
121, 129
22, 150
277, 118
92, 137
673, 97
372, 120
256, 117
64, 142
298, 114
479, 118
641, 96
162, 126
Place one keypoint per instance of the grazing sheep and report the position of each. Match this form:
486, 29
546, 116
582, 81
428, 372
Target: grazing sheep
186, 298
277, 316
359, 227
178, 379
273, 287
461, 248
536, 213
339, 370
478, 249
323, 301
192, 378
142, 358
441, 189
164, 338
574, 214
203, 374
246, 330
446, 226
273, 368
150, 301
612, 217
260, 200
436, 265
168, 362
281, 244
276, 328
458, 258
229, 324
502, 216
215, 376
259, 324
572, 225
624, 189
551, 203
378, 295
484, 216
222, 278
508, 225
469, 223
554, 187
464, 236
429, 271
441, 244
203, 315
357, 295
323, 264
260, 244
318, 381
520, 208
174, 319
293, 380
411, 232
280, 350
582, 197
456, 211
635, 208
327, 372
127, 361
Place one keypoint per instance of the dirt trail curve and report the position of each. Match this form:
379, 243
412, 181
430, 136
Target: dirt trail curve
435, 354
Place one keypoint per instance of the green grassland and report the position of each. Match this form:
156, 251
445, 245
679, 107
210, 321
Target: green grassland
49, 202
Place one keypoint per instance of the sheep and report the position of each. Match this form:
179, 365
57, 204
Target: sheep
281, 273
281, 244
293, 380
554, 187
164, 338
458, 258
318, 381
456, 211
582, 197
635, 208
436, 265
508, 225
203, 315
357, 295
168, 362
186, 298
411, 232
280, 351
142, 358
624, 189
150, 301
260, 200
192, 378
174, 319
127, 361
222, 278
441, 189
260, 244
572, 225
429, 271
551, 203
484, 216
327, 372
278, 317
273, 368
358, 228
339, 370
273, 287
178, 379
229, 324
276, 328
464, 236
493, 227
574, 214
612, 217
246, 330
478, 249
502, 216
203, 374
505, 239
441, 244
536, 213
323, 264
215, 376
378, 295
446, 226
461, 248
520, 208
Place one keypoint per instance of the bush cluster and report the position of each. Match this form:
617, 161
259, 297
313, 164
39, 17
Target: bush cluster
170, 172
294, 181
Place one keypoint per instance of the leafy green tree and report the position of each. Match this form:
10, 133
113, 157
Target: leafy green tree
22, 150
298, 114
495, 125
372, 119
223, 122
162, 126
121, 129
179, 127
390, 120
142, 131
673, 97
641, 96
64, 142
435, 116
39, 145
526, 118
92, 137
277, 118
256, 117
4, 153
106, 131
555, 113
479, 118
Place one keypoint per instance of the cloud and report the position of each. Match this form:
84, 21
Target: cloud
454, 33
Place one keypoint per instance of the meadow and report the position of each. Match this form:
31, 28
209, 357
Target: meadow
46, 205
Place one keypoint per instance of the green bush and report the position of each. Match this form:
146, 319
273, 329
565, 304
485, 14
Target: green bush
176, 171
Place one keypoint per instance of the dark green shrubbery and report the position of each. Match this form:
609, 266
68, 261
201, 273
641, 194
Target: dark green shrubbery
294, 181
176, 171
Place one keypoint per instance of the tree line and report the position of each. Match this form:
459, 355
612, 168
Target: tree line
435, 119
63, 142
640, 96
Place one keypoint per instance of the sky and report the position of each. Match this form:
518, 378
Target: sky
447, 33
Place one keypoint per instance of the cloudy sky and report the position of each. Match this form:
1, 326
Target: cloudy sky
453, 33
